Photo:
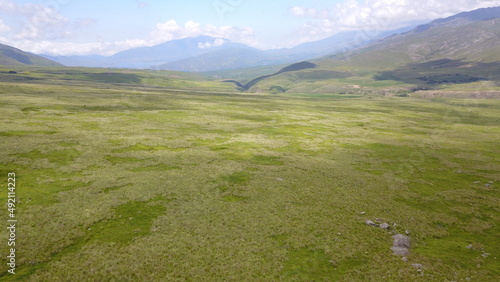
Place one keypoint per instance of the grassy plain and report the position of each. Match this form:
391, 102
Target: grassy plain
125, 177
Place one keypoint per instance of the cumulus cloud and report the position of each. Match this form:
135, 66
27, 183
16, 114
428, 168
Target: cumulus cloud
162, 32
354, 15
41, 28
66, 48
171, 30
216, 43
35, 22
3, 26
308, 12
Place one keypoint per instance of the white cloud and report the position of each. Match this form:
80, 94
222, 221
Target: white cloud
162, 32
40, 28
171, 30
64, 48
3, 26
7, 5
307, 12
35, 22
378, 15
216, 43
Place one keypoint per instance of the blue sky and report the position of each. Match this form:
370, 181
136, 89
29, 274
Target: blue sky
68, 27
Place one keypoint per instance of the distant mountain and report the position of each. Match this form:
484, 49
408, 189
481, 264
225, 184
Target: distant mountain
340, 42
469, 36
460, 49
11, 56
231, 58
150, 57
247, 57
472, 16
145, 57
205, 53
78, 61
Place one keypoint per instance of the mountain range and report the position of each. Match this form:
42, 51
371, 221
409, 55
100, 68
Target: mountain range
460, 49
205, 53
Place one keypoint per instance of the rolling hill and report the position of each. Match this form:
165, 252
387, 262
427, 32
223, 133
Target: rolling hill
290, 68
10, 56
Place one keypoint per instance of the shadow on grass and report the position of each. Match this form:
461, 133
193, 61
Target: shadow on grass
443, 72
113, 77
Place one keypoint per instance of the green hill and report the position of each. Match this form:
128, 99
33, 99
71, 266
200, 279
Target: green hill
445, 54
290, 68
10, 56
456, 40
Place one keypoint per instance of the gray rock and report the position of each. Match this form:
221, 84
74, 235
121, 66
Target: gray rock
417, 265
401, 245
401, 240
384, 226
369, 222
400, 251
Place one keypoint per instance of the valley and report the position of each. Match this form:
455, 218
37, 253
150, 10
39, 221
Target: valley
119, 168
376, 163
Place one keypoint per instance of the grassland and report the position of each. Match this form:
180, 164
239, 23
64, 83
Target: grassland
126, 177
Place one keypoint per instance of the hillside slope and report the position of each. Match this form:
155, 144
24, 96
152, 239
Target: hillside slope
457, 39
10, 56
446, 53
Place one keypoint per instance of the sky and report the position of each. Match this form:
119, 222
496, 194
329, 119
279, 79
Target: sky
105, 27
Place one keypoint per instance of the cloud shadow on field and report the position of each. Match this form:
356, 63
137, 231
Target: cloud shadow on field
429, 74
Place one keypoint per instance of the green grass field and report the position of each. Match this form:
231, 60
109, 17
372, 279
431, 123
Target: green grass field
121, 177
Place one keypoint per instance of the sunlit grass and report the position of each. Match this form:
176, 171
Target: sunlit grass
196, 186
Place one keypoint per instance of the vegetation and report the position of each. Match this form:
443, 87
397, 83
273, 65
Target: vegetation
160, 176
